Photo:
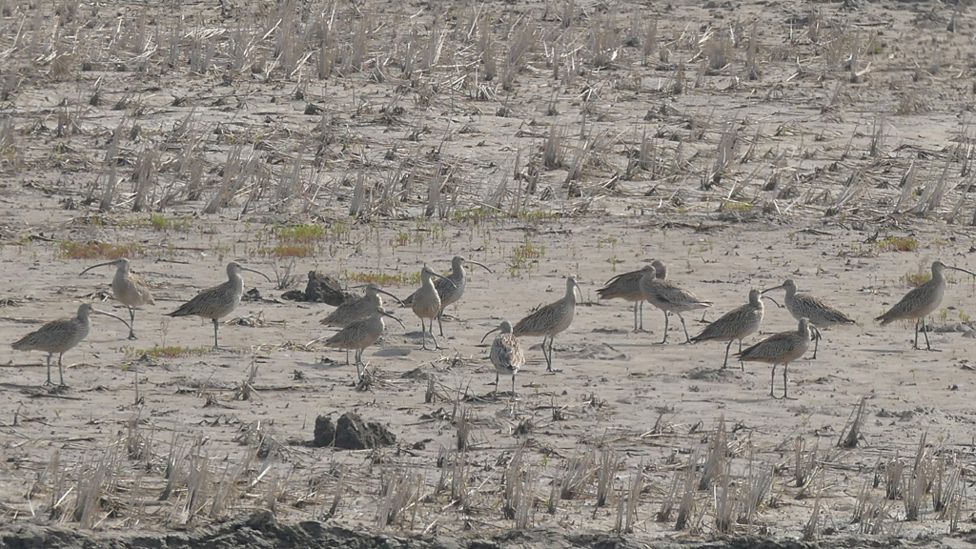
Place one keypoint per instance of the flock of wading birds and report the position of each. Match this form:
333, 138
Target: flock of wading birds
360, 320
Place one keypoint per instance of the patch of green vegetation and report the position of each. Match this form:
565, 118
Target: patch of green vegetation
472, 216
383, 279
524, 255
288, 250
401, 239
537, 216
167, 351
99, 250
916, 279
303, 234
733, 206
160, 222
898, 244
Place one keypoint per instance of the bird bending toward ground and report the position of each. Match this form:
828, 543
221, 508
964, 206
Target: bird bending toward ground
506, 353
128, 289
735, 324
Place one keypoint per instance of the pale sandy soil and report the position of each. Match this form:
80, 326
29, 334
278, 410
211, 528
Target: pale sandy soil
656, 406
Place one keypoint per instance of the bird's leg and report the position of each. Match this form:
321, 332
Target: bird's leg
496, 385
772, 381
423, 334
915, 345
132, 323
665, 340
742, 363
552, 340
48, 382
432, 338
636, 305
215, 334
816, 345
727, 347
440, 325
513, 386
61, 370
785, 390
641, 302
685, 328
926, 334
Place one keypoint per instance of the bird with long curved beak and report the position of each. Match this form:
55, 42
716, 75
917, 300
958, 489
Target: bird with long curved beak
506, 353
803, 305
60, 336
451, 292
127, 288
359, 335
921, 302
427, 303
359, 308
219, 301
549, 320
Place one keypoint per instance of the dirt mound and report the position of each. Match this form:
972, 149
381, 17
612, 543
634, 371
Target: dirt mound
350, 433
320, 289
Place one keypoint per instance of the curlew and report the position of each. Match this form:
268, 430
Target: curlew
219, 301
128, 289
626, 286
921, 302
60, 336
735, 324
781, 348
451, 288
506, 353
359, 335
357, 309
426, 303
670, 298
802, 305
549, 320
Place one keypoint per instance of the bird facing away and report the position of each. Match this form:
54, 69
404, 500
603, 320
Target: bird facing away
357, 309
219, 301
60, 336
735, 324
506, 353
450, 294
427, 303
128, 289
626, 286
670, 298
802, 305
921, 302
549, 320
781, 348
359, 335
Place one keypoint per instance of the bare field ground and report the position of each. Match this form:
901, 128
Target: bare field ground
741, 143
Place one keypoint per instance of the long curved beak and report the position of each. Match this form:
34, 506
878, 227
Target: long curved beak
488, 334
384, 292
99, 265
256, 272
771, 299
106, 313
384, 313
773, 289
444, 278
482, 265
961, 270
815, 332
579, 292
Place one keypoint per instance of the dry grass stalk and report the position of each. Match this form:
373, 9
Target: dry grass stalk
811, 530
852, 430
607, 466
756, 490
725, 500
686, 507
667, 504
399, 496
94, 480
553, 150
577, 474
893, 476
715, 458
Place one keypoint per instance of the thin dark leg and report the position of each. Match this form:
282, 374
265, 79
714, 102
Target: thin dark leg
440, 326
685, 328
423, 334
347, 358
60, 369
132, 323
641, 315
727, 347
49, 369
926, 334
772, 381
215, 334
742, 363
915, 345
545, 354
513, 385
432, 338
636, 306
816, 345
665, 340
496, 383
785, 367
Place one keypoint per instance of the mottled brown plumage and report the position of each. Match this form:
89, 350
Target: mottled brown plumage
357, 309
921, 302
781, 348
128, 289
670, 298
735, 324
815, 310
626, 286
426, 304
359, 335
549, 320
451, 288
506, 353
